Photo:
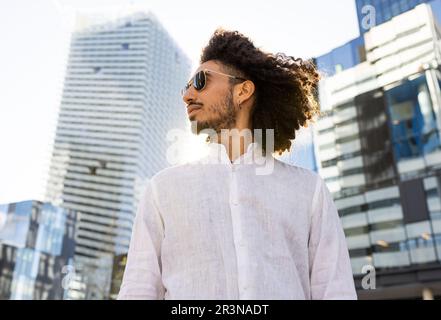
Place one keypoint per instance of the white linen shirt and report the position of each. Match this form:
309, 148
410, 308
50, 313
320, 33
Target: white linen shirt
212, 229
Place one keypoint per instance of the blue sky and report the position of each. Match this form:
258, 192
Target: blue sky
35, 43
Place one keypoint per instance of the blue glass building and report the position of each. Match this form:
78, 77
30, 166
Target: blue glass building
37, 243
384, 9
353, 52
344, 57
387, 9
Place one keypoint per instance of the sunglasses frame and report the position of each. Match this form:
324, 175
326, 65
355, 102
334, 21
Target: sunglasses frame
205, 72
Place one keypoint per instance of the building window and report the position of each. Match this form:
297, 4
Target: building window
125, 46
413, 121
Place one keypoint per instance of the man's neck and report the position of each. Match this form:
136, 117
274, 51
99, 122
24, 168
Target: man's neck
237, 139
236, 142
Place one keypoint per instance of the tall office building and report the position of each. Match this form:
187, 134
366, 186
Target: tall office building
379, 151
121, 96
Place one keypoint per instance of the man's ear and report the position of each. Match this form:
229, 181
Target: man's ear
245, 91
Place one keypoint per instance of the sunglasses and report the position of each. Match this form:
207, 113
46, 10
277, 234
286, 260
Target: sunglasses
199, 80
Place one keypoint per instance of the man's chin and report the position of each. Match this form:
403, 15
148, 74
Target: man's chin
198, 126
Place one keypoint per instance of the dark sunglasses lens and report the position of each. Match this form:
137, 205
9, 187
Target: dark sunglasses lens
199, 80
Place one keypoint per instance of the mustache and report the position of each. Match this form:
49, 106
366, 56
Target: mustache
194, 104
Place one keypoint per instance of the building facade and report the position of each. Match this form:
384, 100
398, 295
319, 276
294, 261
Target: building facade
37, 244
379, 151
384, 10
121, 96
375, 12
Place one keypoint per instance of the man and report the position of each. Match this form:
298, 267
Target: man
218, 228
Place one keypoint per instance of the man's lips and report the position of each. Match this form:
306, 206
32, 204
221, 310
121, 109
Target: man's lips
193, 107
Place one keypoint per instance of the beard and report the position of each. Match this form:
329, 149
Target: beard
223, 116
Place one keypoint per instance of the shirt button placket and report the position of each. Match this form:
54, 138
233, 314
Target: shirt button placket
237, 233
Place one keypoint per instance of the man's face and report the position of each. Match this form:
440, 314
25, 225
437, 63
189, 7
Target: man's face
213, 106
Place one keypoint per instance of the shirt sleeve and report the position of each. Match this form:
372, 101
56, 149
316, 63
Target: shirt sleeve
142, 276
330, 268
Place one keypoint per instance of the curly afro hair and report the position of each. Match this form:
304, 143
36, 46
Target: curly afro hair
286, 87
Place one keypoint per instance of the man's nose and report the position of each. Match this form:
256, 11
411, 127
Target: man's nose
189, 95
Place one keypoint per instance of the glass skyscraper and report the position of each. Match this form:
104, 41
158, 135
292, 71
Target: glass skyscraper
379, 151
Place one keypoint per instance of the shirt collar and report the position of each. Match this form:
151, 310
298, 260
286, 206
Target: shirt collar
217, 153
